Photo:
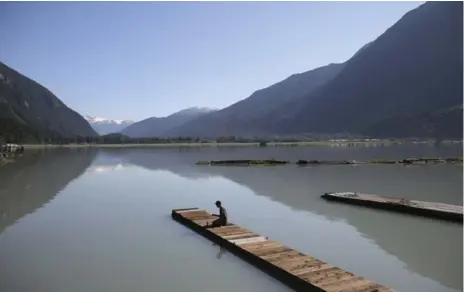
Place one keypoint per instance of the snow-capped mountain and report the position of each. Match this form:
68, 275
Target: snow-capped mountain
104, 126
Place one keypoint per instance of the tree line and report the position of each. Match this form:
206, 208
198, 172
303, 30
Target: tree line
26, 137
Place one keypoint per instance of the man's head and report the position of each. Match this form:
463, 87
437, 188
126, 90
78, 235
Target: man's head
218, 204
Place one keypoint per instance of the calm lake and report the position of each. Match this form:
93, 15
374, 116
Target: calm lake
99, 220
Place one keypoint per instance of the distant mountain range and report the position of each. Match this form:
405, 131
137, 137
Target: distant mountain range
158, 127
411, 71
238, 118
406, 83
104, 126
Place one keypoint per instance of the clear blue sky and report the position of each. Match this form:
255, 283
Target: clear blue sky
127, 60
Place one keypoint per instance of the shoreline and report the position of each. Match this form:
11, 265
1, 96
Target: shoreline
239, 144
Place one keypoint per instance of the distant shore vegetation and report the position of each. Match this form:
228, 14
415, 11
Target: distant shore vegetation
118, 140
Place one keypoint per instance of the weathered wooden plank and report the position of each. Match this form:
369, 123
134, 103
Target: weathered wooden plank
260, 245
240, 235
320, 265
299, 271
227, 229
230, 230
298, 263
186, 210
297, 266
196, 215
270, 251
289, 253
324, 273
204, 222
248, 240
426, 209
201, 220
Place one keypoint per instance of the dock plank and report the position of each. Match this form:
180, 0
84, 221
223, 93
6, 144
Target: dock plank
271, 251
414, 207
293, 268
248, 240
240, 235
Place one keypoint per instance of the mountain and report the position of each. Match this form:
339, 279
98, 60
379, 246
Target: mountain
157, 127
238, 118
104, 126
443, 123
30, 111
409, 73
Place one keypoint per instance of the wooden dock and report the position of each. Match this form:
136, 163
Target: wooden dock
296, 270
421, 208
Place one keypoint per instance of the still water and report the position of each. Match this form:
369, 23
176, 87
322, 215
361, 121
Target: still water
99, 220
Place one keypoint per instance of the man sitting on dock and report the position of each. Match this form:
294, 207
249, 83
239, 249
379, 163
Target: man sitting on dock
222, 220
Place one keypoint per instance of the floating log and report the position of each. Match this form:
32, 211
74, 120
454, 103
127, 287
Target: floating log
296, 270
453, 159
326, 162
384, 162
305, 162
426, 209
301, 162
243, 162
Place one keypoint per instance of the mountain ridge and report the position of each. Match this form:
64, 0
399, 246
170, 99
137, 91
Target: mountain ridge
402, 72
237, 118
413, 68
30, 111
158, 126
407, 82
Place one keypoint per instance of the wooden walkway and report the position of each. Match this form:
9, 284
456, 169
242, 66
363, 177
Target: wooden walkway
421, 208
298, 271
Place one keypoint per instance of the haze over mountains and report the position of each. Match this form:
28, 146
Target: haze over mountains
104, 126
158, 127
406, 83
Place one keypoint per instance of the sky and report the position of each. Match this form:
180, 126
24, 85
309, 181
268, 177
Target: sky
133, 60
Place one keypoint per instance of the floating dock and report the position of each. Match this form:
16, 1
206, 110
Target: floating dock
421, 208
296, 270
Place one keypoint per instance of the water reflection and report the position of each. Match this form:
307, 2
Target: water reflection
221, 252
426, 246
33, 180
110, 228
